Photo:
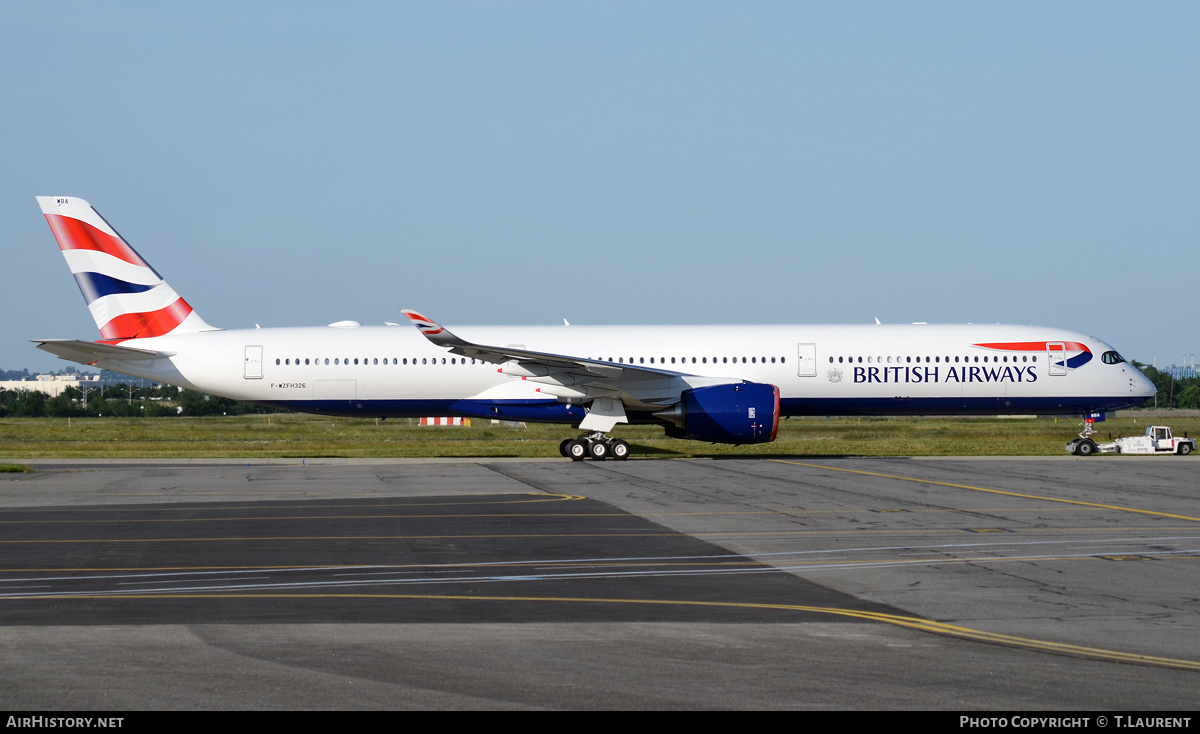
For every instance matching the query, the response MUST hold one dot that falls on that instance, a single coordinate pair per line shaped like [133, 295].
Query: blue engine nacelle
[747, 412]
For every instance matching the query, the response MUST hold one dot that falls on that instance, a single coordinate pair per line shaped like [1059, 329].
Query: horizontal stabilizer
[91, 352]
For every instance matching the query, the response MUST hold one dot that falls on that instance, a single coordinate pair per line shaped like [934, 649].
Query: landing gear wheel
[562, 447]
[1086, 447]
[619, 450]
[598, 450]
[576, 450]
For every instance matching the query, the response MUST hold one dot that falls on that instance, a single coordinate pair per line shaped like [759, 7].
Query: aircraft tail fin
[128, 299]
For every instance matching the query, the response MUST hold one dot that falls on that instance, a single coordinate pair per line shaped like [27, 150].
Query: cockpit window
[1111, 358]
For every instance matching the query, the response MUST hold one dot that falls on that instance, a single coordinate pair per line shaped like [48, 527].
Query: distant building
[52, 385]
[1180, 373]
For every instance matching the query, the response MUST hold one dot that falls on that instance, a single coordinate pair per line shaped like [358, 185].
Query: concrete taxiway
[792, 583]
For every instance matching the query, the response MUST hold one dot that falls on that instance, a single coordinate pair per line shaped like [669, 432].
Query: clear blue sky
[615, 162]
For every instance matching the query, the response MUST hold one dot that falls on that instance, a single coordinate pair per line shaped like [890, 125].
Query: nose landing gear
[596, 445]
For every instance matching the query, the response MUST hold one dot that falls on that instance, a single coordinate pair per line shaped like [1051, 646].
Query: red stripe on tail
[73, 234]
[148, 324]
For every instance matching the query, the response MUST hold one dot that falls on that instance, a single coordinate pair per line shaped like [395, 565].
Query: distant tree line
[122, 401]
[1172, 393]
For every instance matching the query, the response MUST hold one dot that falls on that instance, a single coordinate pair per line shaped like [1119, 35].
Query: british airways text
[954, 374]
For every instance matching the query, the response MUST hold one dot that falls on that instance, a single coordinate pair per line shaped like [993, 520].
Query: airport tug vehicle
[1157, 440]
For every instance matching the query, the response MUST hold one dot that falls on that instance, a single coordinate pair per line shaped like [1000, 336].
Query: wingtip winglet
[426, 326]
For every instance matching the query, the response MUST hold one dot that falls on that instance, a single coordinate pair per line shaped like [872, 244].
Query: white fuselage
[819, 370]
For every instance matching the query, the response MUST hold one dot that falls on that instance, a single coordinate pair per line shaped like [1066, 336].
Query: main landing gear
[595, 445]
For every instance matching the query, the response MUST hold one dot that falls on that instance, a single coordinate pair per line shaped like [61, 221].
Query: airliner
[721, 384]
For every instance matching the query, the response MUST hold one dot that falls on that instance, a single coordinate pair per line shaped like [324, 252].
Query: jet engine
[746, 412]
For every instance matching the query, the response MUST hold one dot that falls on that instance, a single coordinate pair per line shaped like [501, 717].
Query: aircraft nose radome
[1145, 388]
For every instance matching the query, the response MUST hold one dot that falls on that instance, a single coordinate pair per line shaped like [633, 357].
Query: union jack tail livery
[127, 298]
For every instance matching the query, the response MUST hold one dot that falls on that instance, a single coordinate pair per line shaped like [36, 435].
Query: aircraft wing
[573, 377]
[91, 352]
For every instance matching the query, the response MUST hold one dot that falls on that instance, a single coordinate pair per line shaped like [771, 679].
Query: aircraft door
[254, 356]
[806, 360]
[1056, 353]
